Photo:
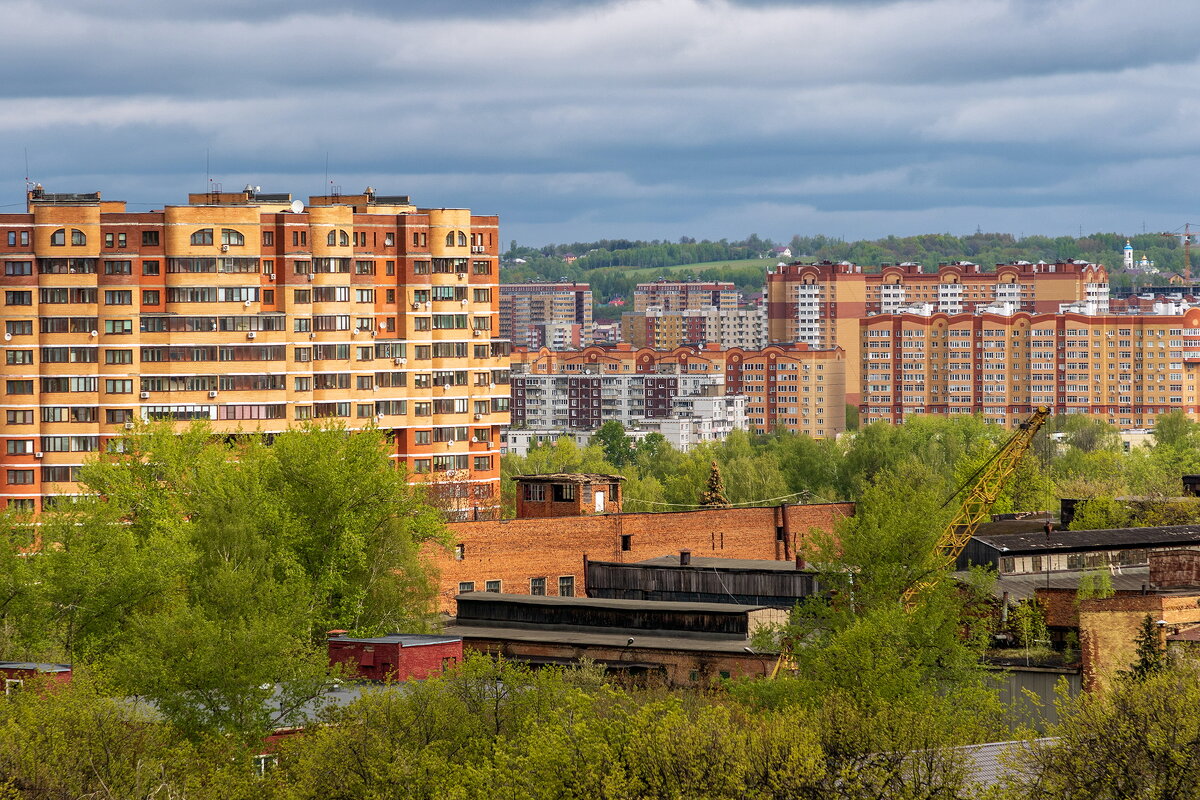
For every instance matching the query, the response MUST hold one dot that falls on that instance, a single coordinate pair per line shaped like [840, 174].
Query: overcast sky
[640, 118]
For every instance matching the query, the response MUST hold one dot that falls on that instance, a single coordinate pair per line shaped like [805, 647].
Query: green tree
[1174, 429]
[1027, 621]
[616, 444]
[1151, 658]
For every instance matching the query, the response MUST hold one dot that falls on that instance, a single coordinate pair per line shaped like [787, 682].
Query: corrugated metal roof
[569, 477]
[1012, 544]
[35, 666]
[1020, 587]
[403, 639]
[599, 602]
[990, 763]
[604, 637]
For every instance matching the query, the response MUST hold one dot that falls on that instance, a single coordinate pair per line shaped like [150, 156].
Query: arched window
[78, 237]
[230, 236]
[462, 239]
[450, 239]
[59, 237]
[331, 239]
[203, 236]
[343, 239]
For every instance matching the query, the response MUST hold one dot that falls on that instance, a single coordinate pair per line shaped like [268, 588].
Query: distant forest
[607, 264]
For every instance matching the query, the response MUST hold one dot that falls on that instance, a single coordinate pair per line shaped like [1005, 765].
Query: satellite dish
[297, 207]
[8, 337]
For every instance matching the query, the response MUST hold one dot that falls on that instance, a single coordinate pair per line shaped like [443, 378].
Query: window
[626, 542]
[564, 492]
[118, 326]
[22, 504]
[118, 356]
[483, 463]
[203, 236]
[118, 297]
[58, 238]
[118, 267]
[18, 267]
[18, 387]
[422, 437]
[566, 586]
[535, 492]
[18, 357]
[113, 386]
[20, 477]
[466, 586]
[493, 586]
[230, 237]
[149, 267]
[151, 297]
[537, 586]
[18, 298]
[460, 550]
[20, 447]
[150, 238]
[19, 416]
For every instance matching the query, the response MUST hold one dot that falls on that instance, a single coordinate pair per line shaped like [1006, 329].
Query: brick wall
[390, 661]
[1175, 569]
[513, 551]
[1108, 629]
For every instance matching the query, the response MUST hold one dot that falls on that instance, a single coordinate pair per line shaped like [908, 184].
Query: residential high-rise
[666, 330]
[555, 315]
[257, 314]
[794, 387]
[685, 295]
[821, 304]
[1124, 368]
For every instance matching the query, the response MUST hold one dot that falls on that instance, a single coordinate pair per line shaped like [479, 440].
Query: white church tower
[1128, 255]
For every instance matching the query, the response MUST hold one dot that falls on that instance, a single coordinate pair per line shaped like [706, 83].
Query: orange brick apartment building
[255, 313]
[821, 304]
[1124, 368]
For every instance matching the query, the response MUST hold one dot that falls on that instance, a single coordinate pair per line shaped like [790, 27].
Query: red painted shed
[396, 656]
[15, 673]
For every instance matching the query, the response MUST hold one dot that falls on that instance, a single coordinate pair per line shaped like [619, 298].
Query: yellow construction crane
[980, 492]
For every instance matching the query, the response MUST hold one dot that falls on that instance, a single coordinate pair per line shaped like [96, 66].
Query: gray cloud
[623, 118]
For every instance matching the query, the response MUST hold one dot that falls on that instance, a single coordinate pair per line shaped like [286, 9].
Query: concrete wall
[513, 551]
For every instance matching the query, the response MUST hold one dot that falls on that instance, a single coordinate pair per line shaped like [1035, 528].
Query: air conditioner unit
[311, 277]
[213, 393]
[144, 395]
[270, 276]
[128, 426]
[251, 335]
[416, 306]
[38, 454]
[224, 248]
[477, 332]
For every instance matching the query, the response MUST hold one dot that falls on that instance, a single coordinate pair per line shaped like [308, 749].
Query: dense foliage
[1075, 457]
[204, 573]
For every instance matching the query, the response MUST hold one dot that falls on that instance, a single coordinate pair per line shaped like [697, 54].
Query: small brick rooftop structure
[396, 656]
[567, 495]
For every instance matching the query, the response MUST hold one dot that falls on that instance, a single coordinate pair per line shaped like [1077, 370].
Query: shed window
[466, 586]
[537, 586]
[564, 492]
[535, 491]
[626, 542]
[566, 586]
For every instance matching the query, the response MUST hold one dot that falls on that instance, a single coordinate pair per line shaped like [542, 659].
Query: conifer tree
[1150, 656]
[713, 495]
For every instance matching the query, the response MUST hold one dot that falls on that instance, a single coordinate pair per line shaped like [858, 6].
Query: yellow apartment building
[256, 313]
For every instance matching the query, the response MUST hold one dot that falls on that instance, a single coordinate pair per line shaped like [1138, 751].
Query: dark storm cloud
[631, 117]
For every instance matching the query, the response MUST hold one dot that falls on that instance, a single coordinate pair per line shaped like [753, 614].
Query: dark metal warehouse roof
[1011, 544]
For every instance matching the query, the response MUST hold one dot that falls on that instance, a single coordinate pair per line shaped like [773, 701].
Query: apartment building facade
[685, 295]
[658, 329]
[1127, 369]
[795, 387]
[254, 313]
[554, 315]
[822, 304]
